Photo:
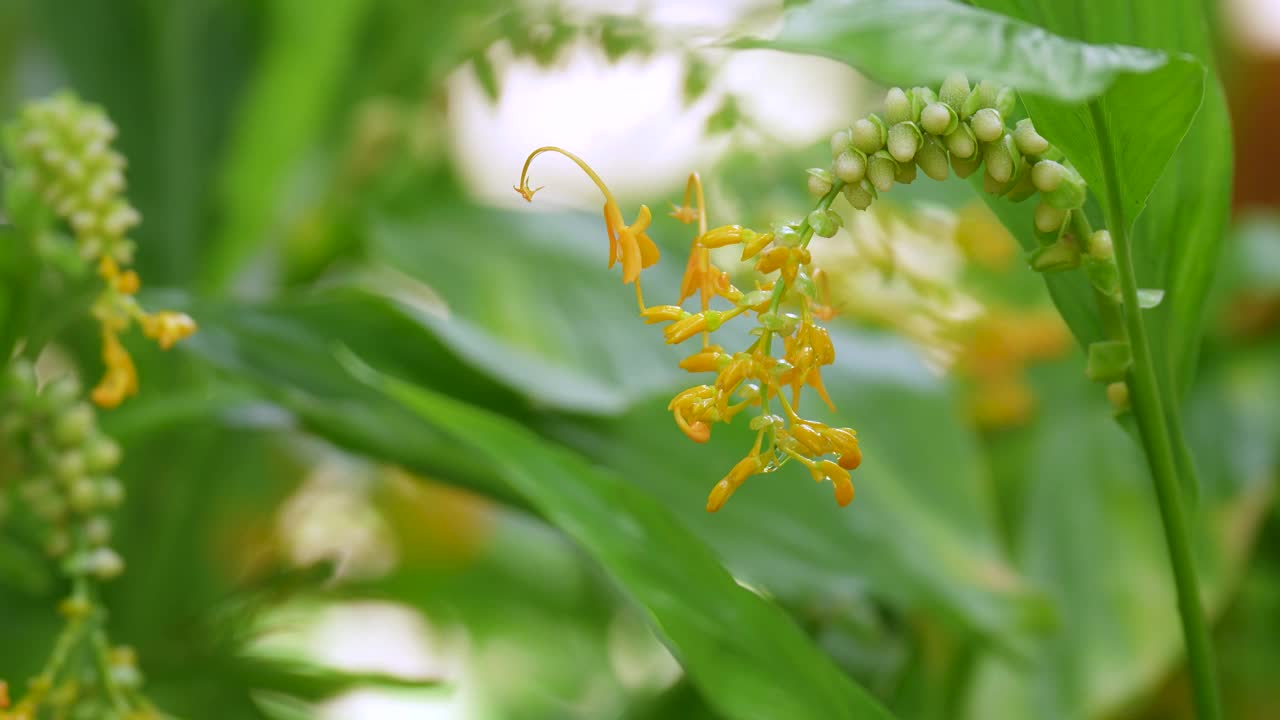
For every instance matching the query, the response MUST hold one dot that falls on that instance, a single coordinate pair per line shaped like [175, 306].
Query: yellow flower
[628, 242]
[745, 468]
[167, 328]
[121, 378]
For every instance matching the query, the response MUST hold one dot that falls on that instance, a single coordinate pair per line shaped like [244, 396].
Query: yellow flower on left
[629, 243]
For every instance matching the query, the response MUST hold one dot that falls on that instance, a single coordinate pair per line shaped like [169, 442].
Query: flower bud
[1069, 191]
[1100, 246]
[104, 564]
[961, 143]
[823, 224]
[881, 170]
[850, 166]
[1058, 257]
[63, 393]
[897, 107]
[860, 195]
[870, 134]
[932, 158]
[725, 235]
[987, 125]
[745, 468]
[965, 166]
[1118, 396]
[708, 360]
[1029, 141]
[904, 140]
[662, 313]
[773, 260]
[110, 492]
[83, 495]
[1049, 218]
[841, 140]
[69, 466]
[954, 91]
[1104, 274]
[73, 426]
[938, 119]
[1002, 159]
[814, 443]
[1048, 175]
[101, 454]
[1109, 361]
[819, 181]
[97, 530]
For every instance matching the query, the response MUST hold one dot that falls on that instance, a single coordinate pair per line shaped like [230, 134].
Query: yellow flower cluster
[65, 147]
[786, 306]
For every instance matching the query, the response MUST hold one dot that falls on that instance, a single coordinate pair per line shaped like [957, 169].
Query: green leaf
[772, 671]
[301, 70]
[1089, 534]
[917, 42]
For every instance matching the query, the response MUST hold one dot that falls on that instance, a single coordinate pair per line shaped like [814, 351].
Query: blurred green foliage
[302, 200]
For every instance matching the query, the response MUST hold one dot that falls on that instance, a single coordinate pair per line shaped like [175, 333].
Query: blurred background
[310, 174]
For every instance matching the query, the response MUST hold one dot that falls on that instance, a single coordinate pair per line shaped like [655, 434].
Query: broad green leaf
[921, 42]
[1089, 532]
[770, 671]
[920, 533]
[301, 70]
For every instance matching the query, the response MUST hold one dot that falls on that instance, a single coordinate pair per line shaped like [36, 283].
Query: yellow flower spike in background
[65, 146]
[785, 305]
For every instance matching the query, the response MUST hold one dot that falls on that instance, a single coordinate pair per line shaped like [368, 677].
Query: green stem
[1148, 407]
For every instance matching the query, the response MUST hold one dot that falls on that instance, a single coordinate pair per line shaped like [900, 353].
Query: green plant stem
[1148, 407]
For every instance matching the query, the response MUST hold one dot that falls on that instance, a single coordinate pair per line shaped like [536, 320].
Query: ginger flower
[785, 307]
[628, 242]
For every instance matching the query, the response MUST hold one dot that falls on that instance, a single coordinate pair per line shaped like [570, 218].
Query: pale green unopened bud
[1029, 141]
[954, 91]
[1001, 159]
[104, 564]
[1049, 218]
[965, 166]
[1058, 257]
[869, 134]
[904, 141]
[1048, 175]
[961, 142]
[938, 119]
[987, 125]
[1105, 276]
[897, 107]
[63, 393]
[1100, 247]
[1006, 102]
[1070, 192]
[819, 181]
[69, 466]
[101, 454]
[881, 170]
[1118, 396]
[860, 195]
[850, 166]
[823, 224]
[73, 426]
[841, 140]
[932, 158]
[83, 495]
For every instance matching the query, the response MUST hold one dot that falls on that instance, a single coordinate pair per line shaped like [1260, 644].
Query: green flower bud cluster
[64, 148]
[65, 464]
[966, 129]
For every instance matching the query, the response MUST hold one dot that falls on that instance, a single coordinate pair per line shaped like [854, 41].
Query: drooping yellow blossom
[65, 148]
[785, 306]
[628, 242]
